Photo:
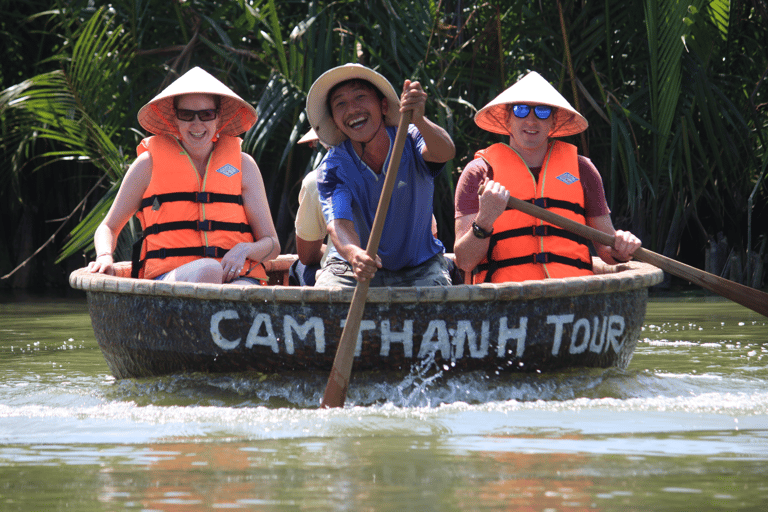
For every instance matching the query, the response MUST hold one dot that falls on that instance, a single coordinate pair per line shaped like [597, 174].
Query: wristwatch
[480, 232]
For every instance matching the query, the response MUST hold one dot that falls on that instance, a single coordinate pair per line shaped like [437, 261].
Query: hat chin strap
[363, 144]
[240, 112]
[171, 127]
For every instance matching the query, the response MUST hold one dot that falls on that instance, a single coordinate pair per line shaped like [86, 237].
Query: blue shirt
[350, 190]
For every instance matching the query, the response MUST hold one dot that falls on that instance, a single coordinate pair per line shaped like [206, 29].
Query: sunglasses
[541, 111]
[208, 114]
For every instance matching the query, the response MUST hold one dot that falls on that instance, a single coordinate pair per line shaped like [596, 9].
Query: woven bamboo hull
[149, 328]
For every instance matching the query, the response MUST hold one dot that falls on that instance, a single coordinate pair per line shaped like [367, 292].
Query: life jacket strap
[549, 203]
[202, 251]
[545, 230]
[194, 197]
[197, 225]
[536, 258]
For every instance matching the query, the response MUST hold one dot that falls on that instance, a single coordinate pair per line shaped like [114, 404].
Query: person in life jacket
[500, 245]
[200, 200]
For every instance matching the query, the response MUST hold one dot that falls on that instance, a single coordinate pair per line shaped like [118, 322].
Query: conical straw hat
[531, 89]
[308, 138]
[317, 100]
[235, 116]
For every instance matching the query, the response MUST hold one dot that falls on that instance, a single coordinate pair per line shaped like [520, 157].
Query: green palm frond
[77, 109]
[281, 103]
[666, 30]
[720, 11]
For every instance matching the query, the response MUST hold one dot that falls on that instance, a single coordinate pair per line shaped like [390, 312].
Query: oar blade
[338, 382]
[751, 298]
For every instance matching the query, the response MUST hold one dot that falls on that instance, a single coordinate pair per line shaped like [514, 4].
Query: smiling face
[196, 134]
[529, 133]
[357, 109]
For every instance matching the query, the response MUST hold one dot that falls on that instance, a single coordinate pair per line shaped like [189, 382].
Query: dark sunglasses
[208, 114]
[541, 111]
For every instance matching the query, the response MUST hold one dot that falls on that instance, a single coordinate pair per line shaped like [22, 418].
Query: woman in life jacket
[200, 200]
[502, 245]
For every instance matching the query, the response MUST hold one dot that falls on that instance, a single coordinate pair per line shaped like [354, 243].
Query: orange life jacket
[186, 217]
[521, 246]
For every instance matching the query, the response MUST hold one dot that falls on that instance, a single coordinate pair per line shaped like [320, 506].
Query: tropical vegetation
[675, 93]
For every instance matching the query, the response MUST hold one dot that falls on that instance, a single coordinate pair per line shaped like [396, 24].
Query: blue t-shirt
[350, 190]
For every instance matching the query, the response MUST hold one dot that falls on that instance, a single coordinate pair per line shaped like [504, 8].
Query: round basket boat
[149, 328]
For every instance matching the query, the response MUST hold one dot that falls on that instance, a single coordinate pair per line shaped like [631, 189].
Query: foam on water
[422, 403]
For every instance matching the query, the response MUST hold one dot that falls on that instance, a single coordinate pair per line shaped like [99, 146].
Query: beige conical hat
[308, 138]
[317, 105]
[532, 88]
[235, 117]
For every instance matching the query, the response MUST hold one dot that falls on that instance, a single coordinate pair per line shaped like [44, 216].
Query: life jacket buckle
[204, 197]
[204, 225]
[542, 257]
[211, 252]
[540, 230]
[541, 202]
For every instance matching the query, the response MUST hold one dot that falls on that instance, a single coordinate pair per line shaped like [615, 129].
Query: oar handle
[748, 297]
[338, 382]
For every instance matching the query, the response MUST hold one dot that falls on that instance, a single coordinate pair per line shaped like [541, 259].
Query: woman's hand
[104, 264]
[233, 262]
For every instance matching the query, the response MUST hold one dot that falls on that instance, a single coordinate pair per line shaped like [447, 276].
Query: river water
[684, 428]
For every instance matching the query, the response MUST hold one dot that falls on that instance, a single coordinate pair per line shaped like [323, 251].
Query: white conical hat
[317, 100]
[532, 88]
[235, 116]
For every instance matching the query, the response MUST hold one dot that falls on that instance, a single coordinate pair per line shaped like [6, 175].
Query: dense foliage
[674, 91]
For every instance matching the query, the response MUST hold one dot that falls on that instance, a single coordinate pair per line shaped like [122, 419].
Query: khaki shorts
[433, 272]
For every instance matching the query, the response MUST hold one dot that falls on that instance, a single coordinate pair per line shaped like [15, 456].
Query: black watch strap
[480, 232]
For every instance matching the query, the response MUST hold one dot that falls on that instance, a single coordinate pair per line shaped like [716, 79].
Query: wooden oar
[338, 381]
[744, 295]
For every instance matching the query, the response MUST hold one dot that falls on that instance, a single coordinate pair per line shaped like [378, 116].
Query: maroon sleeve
[467, 201]
[594, 193]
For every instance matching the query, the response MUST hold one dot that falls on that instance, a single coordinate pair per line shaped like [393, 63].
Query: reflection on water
[432, 472]
[685, 427]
